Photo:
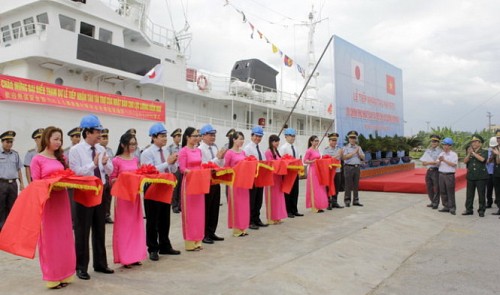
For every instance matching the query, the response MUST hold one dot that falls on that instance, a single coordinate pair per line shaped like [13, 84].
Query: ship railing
[13, 36]
[199, 120]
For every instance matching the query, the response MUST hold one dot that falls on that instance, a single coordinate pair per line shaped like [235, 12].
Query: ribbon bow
[147, 169]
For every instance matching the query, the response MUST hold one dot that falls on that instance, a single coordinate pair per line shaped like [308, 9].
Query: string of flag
[289, 62]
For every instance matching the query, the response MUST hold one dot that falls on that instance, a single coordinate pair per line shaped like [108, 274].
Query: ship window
[67, 23]
[6, 34]
[87, 29]
[29, 27]
[105, 35]
[17, 31]
[42, 19]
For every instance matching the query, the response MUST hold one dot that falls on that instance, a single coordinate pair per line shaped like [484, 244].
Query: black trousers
[157, 226]
[496, 184]
[352, 175]
[336, 181]
[176, 196]
[489, 191]
[212, 205]
[8, 195]
[87, 218]
[472, 185]
[447, 191]
[432, 184]
[292, 199]
[106, 198]
[256, 194]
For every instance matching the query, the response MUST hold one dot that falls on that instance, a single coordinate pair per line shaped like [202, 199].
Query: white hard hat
[493, 141]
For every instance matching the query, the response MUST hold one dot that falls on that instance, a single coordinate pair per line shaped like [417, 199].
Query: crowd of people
[66, 224]
[483, 174]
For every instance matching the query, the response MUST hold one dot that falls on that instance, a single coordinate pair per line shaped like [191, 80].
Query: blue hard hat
[290, 131]
[447, 141]
[91, 121]
[157, 128]
[206, 129]
[257, 130]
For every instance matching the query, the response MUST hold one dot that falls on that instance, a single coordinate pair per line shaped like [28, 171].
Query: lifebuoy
[202, 82]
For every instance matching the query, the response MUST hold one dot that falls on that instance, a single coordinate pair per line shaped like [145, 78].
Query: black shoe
[467, 213]
[347, 204]
[452, 212]
[291, 216]
[216, 238]
[336, 205]
[330, 207]
[154, 256]
[170, 251]
[488, 206]
[434, 207]
[444, 210]
[108, 220]
[357, 204]
[82, 275]
[430, 205]
[481, 214]
[321, 211]
[104, 270]
[208, 240]
[496, 213]
[298, 214]
[253, 226]
[176, 210]
[261, 224]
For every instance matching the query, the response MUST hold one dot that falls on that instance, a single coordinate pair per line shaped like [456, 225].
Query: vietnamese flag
[390, 84]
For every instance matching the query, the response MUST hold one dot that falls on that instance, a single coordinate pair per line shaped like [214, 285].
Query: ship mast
[312, 102]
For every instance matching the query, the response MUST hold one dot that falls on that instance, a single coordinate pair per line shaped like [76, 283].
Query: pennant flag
[288, 61]
[260, 34]
[357, 72]
[275, 49]
[267, 40]
[153, 76]
[390, 84]
[253, 29]
[281, 53]
[330, 109]
[301, 71]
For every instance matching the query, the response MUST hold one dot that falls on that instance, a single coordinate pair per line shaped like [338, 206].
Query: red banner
[36, 92]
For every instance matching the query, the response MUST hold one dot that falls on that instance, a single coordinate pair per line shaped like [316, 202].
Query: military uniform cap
[37, 133]
[230, 132]
[497, 133]
[333, 135]
[75, 131]
[132, 131]
[105, 132]
[435, 137]
[176, 132]
[352, 133]
[8, 135]
[477, 137]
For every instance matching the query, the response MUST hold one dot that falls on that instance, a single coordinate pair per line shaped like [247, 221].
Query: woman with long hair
[275, 198]
[193, 206]
[129, 236]
[238, 200]
[316, 197]
[56, 244]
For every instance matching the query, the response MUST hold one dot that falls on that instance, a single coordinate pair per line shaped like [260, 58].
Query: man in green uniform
[477, 175]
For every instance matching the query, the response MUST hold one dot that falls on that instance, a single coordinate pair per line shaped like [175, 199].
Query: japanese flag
[154, 75]
[357, 72]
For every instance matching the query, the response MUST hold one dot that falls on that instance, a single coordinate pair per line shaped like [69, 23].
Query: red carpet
[412, 181]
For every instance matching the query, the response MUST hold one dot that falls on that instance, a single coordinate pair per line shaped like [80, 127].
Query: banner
[368, 92]
[36, 92]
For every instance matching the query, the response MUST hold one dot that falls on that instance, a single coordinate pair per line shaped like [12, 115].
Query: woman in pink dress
[316, 197]
[238, 201]
[193, 206]
[56, 245]
[275, 198]
[129, 236]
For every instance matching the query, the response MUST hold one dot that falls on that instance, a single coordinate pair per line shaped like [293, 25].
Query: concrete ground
[392, 245]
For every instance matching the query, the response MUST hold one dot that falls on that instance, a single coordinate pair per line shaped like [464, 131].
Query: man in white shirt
[447, 163]
[89, 158]
[288, 148]
[158, 213]
[211, 153]
[256, 193]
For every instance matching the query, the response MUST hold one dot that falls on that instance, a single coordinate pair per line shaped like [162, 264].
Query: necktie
[293, 151]
[162, 156]
[258, 151]
[97, 172]
[211, 151]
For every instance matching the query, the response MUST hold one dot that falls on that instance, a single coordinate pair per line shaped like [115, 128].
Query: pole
[305, 86]
[326, 133]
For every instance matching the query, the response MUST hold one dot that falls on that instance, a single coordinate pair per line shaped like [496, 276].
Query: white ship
[106, 48]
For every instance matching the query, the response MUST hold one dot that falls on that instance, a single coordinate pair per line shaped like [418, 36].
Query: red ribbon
[326, 157]
[287, 157]
[251, 158]
[62, 173]
[209, 165]
[147, 169]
